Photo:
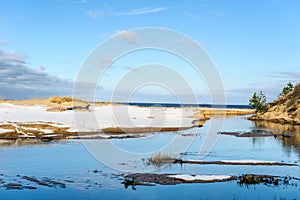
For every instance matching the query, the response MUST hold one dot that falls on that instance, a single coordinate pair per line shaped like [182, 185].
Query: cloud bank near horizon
[19, 81]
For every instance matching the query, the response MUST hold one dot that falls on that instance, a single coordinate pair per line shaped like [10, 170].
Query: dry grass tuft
[58, 104]
[160, 159]
[60, 100]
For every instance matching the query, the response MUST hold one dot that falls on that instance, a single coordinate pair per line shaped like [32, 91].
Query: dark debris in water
[18, 186]
[29, 183]
[268, 180]
[131, 181]
[248, 134]
[45, 182]
[257, 133]
[24, 182]
[13, 186]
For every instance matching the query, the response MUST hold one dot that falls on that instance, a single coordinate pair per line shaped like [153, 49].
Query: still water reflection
[85, 177]
[291, 134]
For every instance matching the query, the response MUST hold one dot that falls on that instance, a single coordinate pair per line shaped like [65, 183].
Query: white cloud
[219, 14]
[191, 15]
[139, 11]
[81, 1]
[291, 75]
[4, 42]
[105, 60]
[18, 81]
[1, 20]
[43, 68]
[12, 58]
[187, 42]
[242, 94]
[95, 14]
[142, 11]
[128, 36]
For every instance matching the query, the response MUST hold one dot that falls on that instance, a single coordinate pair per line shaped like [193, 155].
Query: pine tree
[288, 88]
[258, 101]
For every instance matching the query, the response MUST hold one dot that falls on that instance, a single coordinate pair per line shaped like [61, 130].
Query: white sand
[188, 177]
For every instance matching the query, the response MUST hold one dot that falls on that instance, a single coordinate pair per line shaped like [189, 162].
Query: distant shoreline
[225, 106]
[141, 104]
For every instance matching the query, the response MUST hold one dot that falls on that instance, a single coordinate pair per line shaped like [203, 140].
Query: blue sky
[255, 45]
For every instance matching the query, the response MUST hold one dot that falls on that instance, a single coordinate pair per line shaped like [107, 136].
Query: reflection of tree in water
[291, 138]
[258, 142]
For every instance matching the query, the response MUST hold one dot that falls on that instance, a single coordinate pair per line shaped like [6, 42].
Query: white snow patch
[45, 131]
[188, 177]
[4, 141]
[52, 135]
[3, 130]
[100, 117]
[30, 129]
[195, 160]
[247, 161]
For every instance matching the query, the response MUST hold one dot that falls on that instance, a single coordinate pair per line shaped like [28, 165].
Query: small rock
[30, 187]
[13, 186]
